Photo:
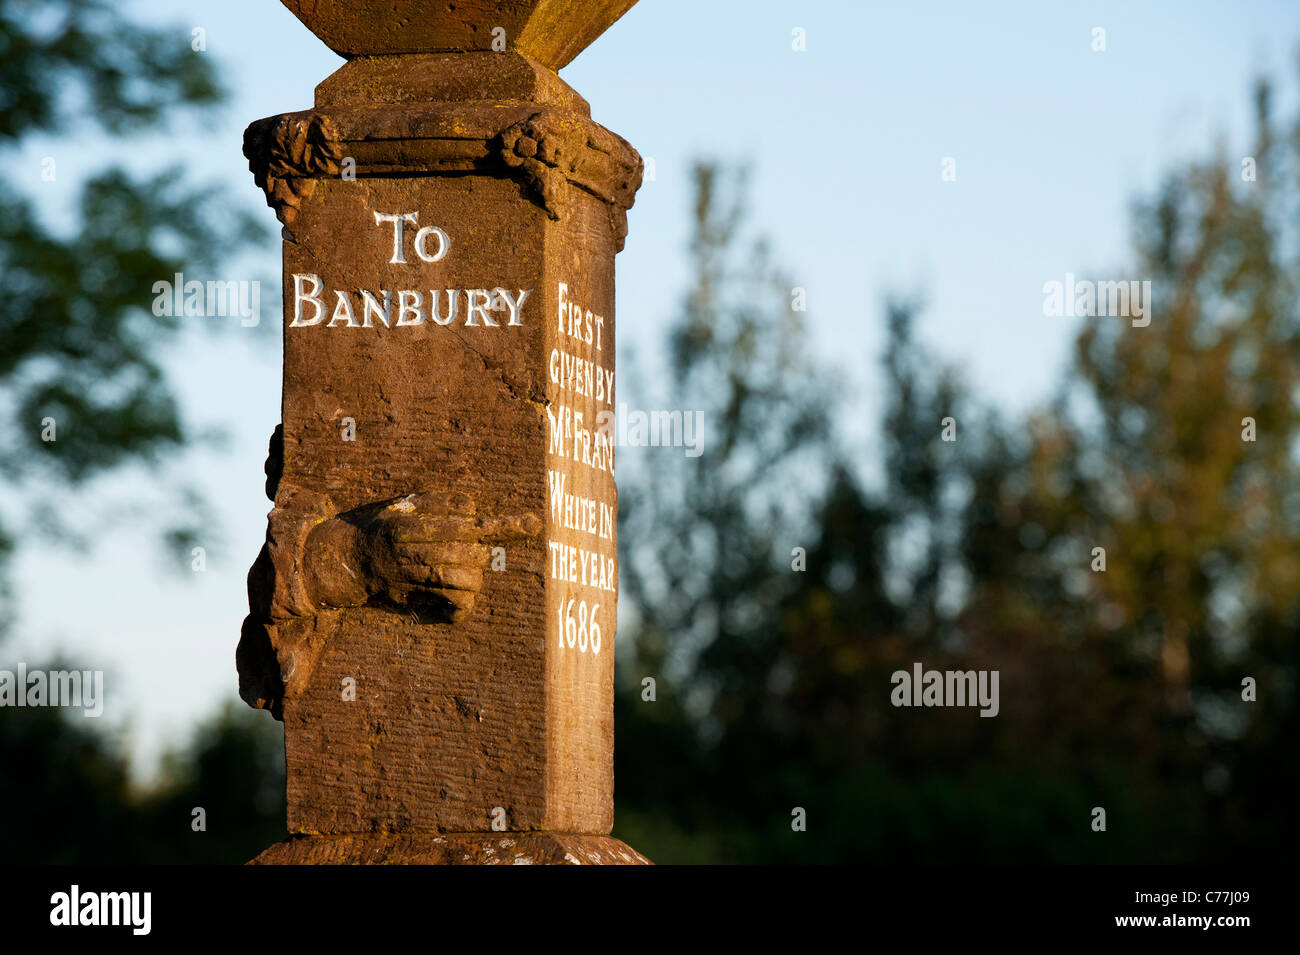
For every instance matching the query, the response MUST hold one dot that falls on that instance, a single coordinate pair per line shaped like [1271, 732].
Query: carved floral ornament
[545, 151]
[287, 154]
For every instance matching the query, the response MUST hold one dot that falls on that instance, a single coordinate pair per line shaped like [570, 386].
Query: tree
[80, 367]
[1124, 558]
[85, 393]
[1184, 457]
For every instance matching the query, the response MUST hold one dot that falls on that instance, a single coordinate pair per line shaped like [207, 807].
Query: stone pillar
[433, 614]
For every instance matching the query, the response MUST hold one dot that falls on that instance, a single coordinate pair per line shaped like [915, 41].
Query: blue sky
[1052, 141]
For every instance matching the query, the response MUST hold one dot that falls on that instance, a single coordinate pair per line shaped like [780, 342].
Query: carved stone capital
[422, 115]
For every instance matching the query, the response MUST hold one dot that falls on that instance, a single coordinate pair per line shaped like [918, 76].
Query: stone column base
[451, 848]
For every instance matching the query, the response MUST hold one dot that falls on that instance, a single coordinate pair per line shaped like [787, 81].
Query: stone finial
[552, 32]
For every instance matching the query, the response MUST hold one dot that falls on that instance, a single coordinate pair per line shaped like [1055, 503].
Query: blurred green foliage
[68, 798]
[1119, 689]
[81, 345]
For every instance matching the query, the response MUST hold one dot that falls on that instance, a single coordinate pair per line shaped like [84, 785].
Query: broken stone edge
[451, 848]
